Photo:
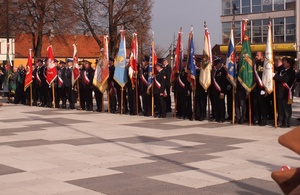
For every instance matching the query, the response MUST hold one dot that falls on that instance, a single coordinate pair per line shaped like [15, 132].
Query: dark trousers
[229, 103]
[98, 97]
[168, 99]
[132, 100]
[284, 111]
[200, 106]
[88, 97]
[219, 107]
[146, 99]
[59, 96]
[259, 106]
[240, 105]
[69, 97]
[161, 105]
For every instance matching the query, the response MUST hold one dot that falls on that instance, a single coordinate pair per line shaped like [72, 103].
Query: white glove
[262, 92]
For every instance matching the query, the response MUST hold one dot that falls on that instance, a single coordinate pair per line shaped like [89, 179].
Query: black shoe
[255, 122]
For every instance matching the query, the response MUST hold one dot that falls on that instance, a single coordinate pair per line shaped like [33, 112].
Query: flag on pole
[120, 74]
[178, 57]
[245, 74]
[133, 60]
[51, 69]
[75, 72]
[102, 70]
[28, 76]
[205, 69]
[230, 61]
[152, 63]
[191, 66]
[244, 28]
[267, 77]
[8, 62]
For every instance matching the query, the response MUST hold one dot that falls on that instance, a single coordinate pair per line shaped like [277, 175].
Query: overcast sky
[170, 15]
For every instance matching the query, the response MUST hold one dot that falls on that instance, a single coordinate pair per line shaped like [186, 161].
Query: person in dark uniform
[40, 74]
[59, 84]
[97, 92]
[67, 83]
[167, 68]
[20, 93]
[200, 96]
[184, 100]
[87, 79]
[258, 94]
[160, 90]
[285, 83]
[143, 76]
[111, 86]
[218, 88]
[35, 85]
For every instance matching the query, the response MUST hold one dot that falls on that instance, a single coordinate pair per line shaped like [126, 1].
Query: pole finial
[205, 25]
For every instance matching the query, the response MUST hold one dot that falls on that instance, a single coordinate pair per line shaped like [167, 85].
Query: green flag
[245, 70]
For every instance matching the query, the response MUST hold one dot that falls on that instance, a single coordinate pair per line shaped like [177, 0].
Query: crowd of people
[216, 103]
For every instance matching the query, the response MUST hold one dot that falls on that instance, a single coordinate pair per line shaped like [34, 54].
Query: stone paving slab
[71, 152]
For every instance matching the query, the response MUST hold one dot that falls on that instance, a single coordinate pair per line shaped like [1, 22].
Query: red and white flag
[75, 72]
[51, 68]
[28, 76]
[132, 71]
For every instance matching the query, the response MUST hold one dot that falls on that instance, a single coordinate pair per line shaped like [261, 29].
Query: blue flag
[230, 61]
[120, 75]
[150, 69]
[191, 66]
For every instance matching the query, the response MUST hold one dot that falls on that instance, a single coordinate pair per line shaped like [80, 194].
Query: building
[285, 18]
[3, 48]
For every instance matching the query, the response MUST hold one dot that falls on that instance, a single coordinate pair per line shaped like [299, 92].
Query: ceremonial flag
[205, 69]
[133, 60]
[28, 76]
[244, 28]
[191, 66]
[8, 62]
[267, 77]
[152, 63]
[120, 74]
[75, 72]
[245, 74]
[51, 68]
[230, 61]
[178, 57]
[102, 70]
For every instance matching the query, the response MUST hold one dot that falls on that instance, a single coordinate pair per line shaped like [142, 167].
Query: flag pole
[275, 107]
[30, 94]
[102, 102]
[108, 100]
[234, 87]
[121, 111]
[152, 74]
[250, 110]
[53, 94]
[136, 96]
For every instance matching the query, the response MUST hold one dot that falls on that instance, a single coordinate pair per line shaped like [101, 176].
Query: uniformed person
[167, 68]
[97, 92]
[200, 96]
[184, 90]
[285, 80]
[258, 94]
[59, 84]
[67, 83]
[143, 76]
[111, 86]
[87, 75]
[160, 90]
[218, 88]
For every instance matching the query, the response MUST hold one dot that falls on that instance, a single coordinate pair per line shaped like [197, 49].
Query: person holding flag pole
[191, 70]
[205, 69]
[120, 75]
[231, 70]
[28, 77]
[51, 73]
[75, 72]
[268, 70]
[245, 74]
[177, 68]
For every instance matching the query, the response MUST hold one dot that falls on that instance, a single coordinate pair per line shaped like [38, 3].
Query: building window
[227, 6]
[278, 30]
[246, 6]
[226, 27]
[278, 5]
[256, 6]
[290, 26]
[267, 5]
[290, 4]
[256, 31]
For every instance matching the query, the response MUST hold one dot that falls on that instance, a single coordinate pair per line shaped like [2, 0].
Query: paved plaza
[71, 152]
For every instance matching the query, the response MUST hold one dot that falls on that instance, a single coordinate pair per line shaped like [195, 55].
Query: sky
[170, 15]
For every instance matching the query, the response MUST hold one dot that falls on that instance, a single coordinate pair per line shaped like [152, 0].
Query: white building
[3, 49]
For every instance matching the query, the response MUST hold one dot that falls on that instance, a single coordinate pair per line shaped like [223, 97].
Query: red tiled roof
[87, 47]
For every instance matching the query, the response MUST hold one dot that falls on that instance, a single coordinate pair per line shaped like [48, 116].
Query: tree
[109, 16]
[38, 17]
